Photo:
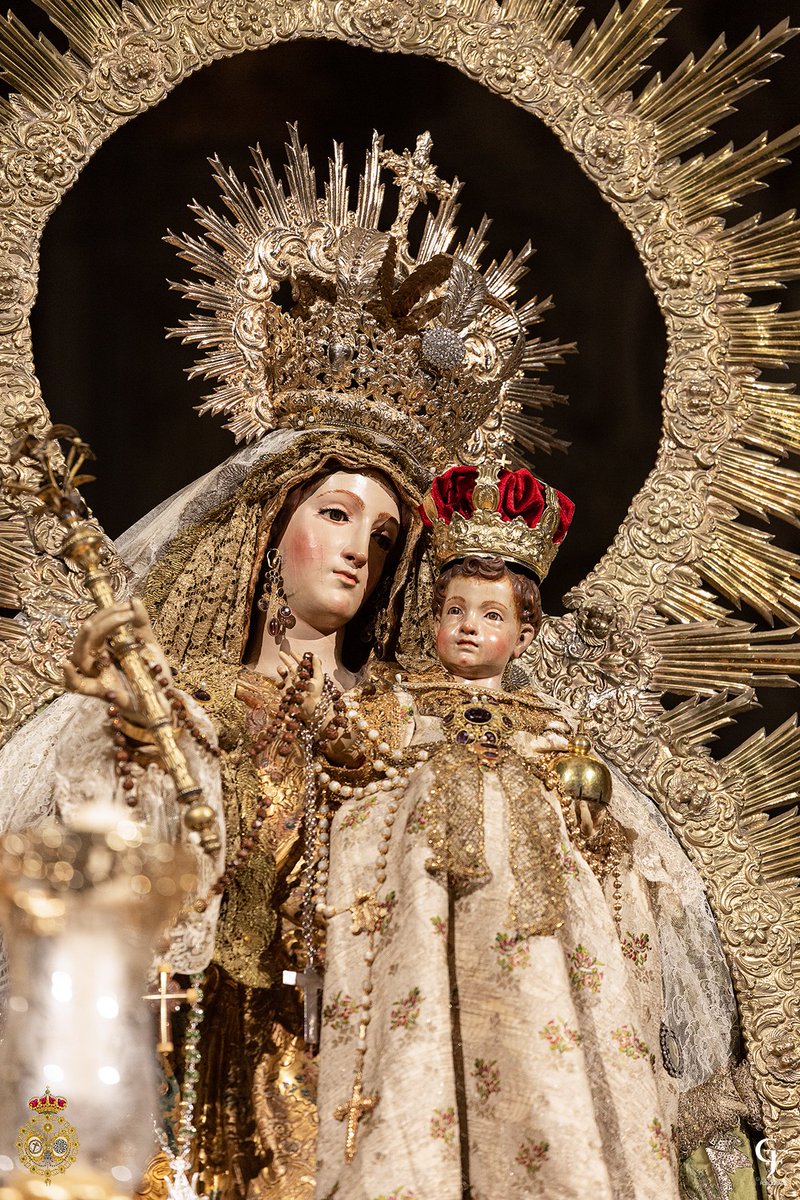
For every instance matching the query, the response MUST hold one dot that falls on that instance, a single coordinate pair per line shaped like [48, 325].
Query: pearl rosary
[365, 908]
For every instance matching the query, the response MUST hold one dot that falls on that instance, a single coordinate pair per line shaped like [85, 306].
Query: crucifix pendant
[352, 1112]
[167, 1000]
[310, 981]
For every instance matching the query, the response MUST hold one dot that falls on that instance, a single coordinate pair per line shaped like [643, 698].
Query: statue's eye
[334, 513]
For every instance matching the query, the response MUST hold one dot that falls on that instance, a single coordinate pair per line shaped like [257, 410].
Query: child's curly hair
[526, 592]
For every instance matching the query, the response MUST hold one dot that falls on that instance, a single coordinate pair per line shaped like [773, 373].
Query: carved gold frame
[648, 618]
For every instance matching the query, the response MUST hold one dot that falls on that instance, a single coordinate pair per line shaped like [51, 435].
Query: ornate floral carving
[691, 793]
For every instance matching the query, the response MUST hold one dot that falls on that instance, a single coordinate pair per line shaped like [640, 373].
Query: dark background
[103, 306]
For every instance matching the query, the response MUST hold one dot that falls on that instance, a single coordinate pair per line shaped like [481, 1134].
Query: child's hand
[589, 815]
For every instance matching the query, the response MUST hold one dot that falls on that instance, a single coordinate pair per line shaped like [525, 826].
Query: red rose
[521, 495]
[452, 493]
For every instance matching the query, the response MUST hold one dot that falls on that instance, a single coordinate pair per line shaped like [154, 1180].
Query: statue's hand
[90, 669]
[590, 816]
[312, 693]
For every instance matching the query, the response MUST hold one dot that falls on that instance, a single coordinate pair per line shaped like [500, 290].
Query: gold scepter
[59, 477]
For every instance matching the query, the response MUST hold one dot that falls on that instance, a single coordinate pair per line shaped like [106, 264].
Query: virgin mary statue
[383, 367]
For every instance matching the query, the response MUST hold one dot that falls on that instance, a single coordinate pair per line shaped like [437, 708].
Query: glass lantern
[81, 914]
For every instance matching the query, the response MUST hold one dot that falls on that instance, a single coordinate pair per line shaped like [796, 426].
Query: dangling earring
[273, 599]
[376, 627]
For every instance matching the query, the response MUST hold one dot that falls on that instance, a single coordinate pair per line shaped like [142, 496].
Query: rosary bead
[392, 806]
[324, 778]
[379, 764]
[369, 956]
[384, 748]
[380, 875]
[362, 725]
[423, 755]
[346, 791]
[389, 819]
[387, 785]
[131, 801]
[380, 861]
[334, 786]
[391, 772]
[397, 755]
[128, 784]
[358, 792]
[373, 735]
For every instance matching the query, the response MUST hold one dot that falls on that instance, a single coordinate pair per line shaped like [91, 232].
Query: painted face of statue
[479, 629]
[335, 547]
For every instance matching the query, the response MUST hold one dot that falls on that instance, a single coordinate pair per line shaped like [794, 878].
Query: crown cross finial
[416, 179]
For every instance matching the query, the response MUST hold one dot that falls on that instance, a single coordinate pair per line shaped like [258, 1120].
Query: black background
[103, 305]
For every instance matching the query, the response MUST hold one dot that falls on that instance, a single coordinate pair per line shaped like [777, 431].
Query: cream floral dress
[507, 1063]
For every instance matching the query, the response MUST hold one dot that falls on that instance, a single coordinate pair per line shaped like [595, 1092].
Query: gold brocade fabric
[537, 899]
[250, 1018]
[478, 733]
[286, 1119]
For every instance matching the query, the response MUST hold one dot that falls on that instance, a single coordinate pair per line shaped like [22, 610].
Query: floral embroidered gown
[527, 1062]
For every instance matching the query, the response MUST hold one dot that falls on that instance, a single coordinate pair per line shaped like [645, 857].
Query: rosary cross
[310, 981]
[166, 1001]
[416, 178]
[352, 1112]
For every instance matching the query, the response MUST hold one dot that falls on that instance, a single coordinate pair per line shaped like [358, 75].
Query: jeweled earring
[272, 600]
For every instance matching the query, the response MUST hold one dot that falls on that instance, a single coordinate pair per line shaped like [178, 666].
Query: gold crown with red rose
[418, 347]
[487, 533]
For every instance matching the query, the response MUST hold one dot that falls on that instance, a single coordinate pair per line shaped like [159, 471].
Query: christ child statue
[493, 987]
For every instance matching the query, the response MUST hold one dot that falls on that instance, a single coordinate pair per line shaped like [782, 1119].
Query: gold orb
[581, 776]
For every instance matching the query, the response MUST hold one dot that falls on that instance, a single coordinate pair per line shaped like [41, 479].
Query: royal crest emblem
[47, 1145]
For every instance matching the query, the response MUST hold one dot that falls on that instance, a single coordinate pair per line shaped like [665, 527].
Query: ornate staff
[57, 477]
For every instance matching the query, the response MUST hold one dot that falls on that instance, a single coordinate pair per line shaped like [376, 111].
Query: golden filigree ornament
[47, 1144]
[420, 346]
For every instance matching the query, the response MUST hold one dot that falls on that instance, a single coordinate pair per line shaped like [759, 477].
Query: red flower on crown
[521, 495]
[514, 529]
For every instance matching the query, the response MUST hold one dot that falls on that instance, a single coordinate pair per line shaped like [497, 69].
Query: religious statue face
[478, 629]
[335, 547]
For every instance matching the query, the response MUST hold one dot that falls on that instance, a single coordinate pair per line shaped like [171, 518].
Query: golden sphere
[583, 777]
[199, 816]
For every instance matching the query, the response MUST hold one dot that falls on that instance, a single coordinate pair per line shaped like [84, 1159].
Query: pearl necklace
[365, 908]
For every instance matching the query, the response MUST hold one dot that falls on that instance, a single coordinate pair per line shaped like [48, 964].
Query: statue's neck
[302, 639]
